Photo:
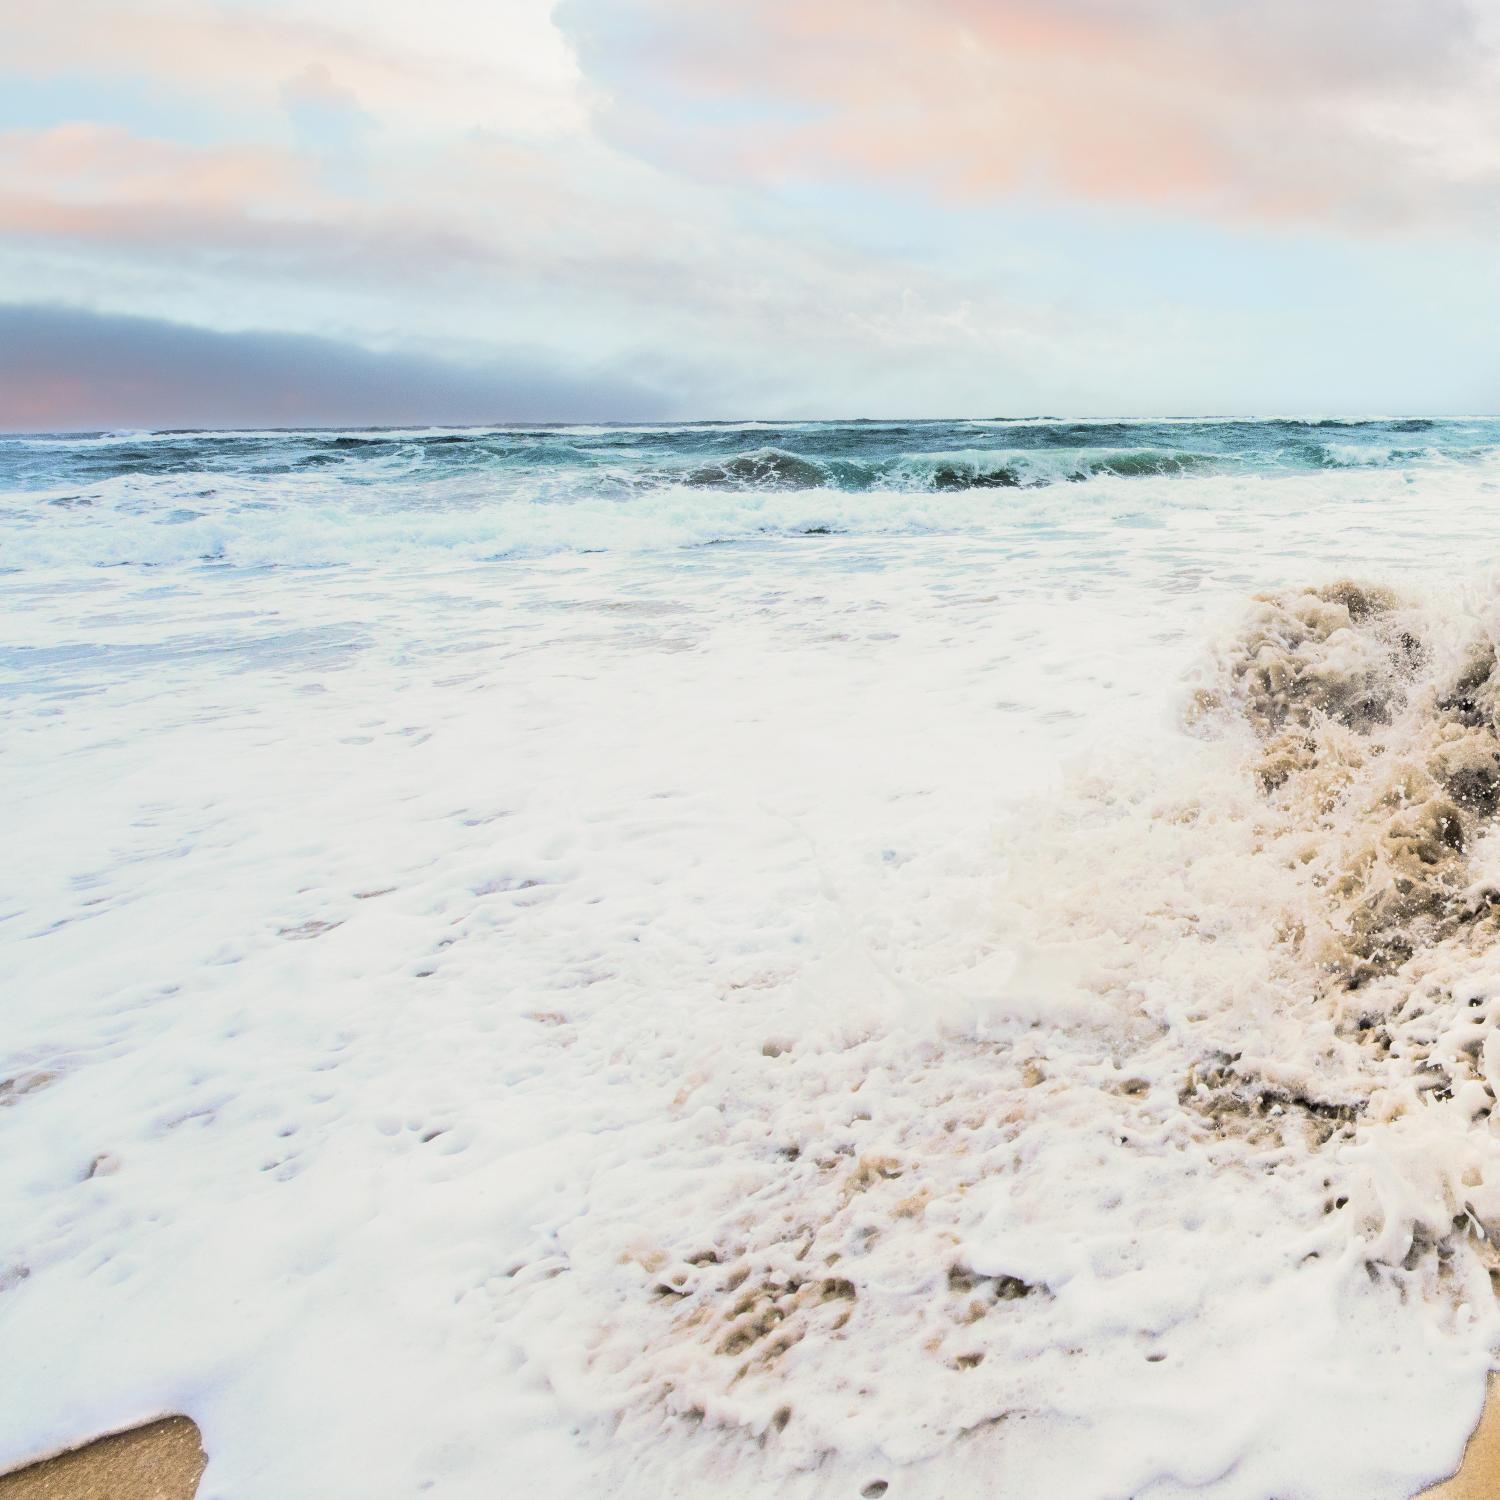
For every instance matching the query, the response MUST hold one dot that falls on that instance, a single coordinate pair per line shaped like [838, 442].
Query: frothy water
[913, 959]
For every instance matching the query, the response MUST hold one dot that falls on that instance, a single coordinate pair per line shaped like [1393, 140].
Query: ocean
[808, 959]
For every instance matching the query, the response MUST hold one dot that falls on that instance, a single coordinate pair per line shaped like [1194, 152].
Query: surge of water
[755, 958]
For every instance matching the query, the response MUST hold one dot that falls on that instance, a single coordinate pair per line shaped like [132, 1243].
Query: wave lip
[762, 469]
[968, 469]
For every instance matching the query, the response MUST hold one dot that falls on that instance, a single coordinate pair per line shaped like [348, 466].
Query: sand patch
[161, 1461]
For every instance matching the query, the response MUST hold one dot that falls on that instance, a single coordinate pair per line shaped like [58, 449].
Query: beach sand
[161, 1461]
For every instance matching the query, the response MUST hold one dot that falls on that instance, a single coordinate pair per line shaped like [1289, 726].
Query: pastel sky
[273, 211]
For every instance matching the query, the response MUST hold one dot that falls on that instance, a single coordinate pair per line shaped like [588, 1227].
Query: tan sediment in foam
[1273, 953]
[1388, 753]
[1382, 757]
[163, 1460]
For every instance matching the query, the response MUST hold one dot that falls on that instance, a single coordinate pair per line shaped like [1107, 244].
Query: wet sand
[161, 1461]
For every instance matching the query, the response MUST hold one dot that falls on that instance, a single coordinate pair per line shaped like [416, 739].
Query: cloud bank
[66, 370]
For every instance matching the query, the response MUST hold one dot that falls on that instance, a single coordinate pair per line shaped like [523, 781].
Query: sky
[271, 212]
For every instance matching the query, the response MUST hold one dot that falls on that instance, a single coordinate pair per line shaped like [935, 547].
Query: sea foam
[521, 964]
[1235, 1067]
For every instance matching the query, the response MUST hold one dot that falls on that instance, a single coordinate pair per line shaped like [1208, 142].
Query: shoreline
[1478, 1474]
[165, 1460]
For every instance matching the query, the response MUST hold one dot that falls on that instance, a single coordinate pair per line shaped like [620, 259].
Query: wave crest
[762, 468]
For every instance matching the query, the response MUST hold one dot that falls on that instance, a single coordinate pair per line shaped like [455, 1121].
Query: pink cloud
[102, 187]
[109, 163]
[1334, 113]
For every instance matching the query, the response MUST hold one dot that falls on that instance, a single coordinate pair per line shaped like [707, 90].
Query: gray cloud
[64, 368]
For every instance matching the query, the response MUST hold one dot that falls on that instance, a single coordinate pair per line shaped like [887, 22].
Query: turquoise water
[310, 497]
[839, 455]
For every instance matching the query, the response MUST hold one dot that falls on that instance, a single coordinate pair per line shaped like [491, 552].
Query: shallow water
[632, 959]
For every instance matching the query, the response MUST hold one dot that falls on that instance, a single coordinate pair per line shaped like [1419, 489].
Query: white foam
[402, 515]
[418, 964]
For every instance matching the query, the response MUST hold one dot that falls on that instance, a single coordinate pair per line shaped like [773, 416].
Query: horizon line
[559, 424]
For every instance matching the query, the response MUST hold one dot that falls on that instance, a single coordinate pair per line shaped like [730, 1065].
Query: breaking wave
[347, 498]
[934, 457]
[775, 469]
